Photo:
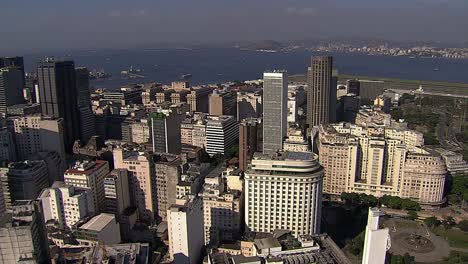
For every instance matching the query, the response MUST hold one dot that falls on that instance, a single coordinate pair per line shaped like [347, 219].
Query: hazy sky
[32, 25]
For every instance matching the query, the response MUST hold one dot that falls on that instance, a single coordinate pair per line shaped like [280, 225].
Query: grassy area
[456, 238]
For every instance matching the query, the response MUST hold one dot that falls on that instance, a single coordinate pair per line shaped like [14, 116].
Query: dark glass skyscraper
[87, 121]
[12, 62]
[319, 79]
[11, 87]
[58, 96]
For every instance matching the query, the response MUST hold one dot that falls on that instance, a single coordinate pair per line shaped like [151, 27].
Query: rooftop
[98, 222]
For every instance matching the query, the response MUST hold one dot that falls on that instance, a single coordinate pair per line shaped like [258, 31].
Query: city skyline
[282, 169]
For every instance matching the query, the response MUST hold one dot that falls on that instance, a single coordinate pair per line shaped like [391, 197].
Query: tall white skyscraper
[275, 110]
[377, 240]
[284, 191]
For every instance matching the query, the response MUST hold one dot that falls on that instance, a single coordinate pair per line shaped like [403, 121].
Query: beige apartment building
[142, 181]
[380, 161]
[222, 211]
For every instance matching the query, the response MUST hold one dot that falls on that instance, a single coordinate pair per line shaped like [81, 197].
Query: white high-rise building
[90, 174]
[66, 204]
[221, 133]
[186, 232]
[284, 191]
[377, 240]
[275, 110]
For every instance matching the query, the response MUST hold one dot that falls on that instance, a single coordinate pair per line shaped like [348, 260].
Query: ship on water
[186, 76]
[132, 73]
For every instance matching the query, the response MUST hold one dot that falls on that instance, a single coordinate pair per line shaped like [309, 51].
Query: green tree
[463, 225]
[432, 221]
[412, 215]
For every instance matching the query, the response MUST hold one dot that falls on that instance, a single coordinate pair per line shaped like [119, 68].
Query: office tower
[66, 204]
[275, 110]
[222, 103]
[198, 99]
[22, 235]
[296, 98]
[17, 62]
[284, 191]
[222, 211]
[249, 105]
[90, 174]
[319, 79]
[142, 180]
[185, 230]
[354, 86]
[116, 191]
[101, 228]
[23, 180]
[248, 131]
[333, 103]
[58, 96]
[221, 134]
[11, 88]
[87, 123]
[358, 158]
[82, 86]
[377, 240]
[168, 170]
[7, 146]
[165, 131]
[34, 133]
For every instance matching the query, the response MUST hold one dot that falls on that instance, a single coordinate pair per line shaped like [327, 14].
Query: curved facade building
[284, 191]
[424, 179]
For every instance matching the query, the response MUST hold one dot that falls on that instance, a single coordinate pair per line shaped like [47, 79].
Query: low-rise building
[101, 228]
[66, 205]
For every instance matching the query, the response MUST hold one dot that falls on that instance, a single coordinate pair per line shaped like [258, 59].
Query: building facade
[34, 133]
[58, 96]
[380, 161]
[319, 79]
[23, 180]
[221, 133]
[249, 105]
[11, 87]
[165, 132]
[90, 174]
[185, 230]
[284, 191]
[66, 204]
[275, 110]
[142, 180]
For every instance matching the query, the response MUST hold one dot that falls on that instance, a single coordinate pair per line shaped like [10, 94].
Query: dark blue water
[218, 65]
